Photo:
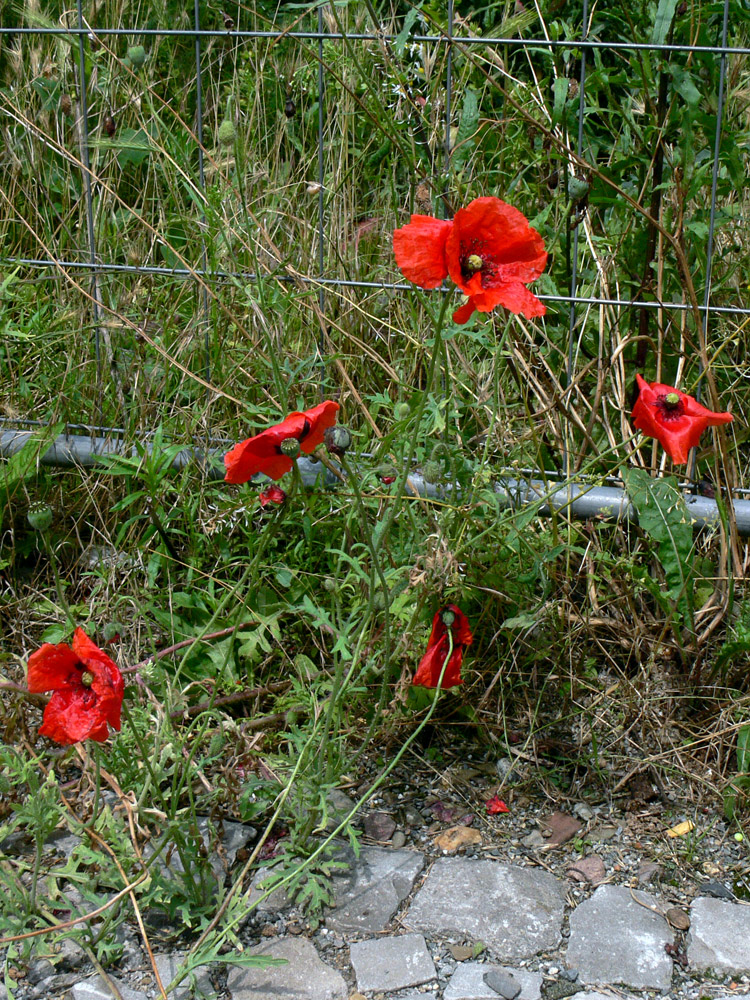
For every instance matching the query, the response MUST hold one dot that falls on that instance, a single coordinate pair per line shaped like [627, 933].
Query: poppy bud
[337, 440]
[227, 133]
[110, 125]
[290, 447]
[137, 55]
[274, 494]
[66, 105]
[111, 632]
[290, 108]
[330, 585]
[431, 471]
[39, 515]
[578, 188]
[402, 411]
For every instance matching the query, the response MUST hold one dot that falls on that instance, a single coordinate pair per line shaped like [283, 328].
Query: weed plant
[247, 272]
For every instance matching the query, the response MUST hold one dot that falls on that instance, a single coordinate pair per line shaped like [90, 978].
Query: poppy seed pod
[337, 440]
[290, 447]
[227, 133]
[137, 55]
[578, 188]
[39, 515]
[431, 471]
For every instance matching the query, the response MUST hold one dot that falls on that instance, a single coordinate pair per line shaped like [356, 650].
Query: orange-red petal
[261, 453]
[420, 250]
[677, 433]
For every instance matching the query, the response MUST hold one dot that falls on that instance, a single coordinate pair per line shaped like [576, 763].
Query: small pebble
[398, 839]
[503, 983]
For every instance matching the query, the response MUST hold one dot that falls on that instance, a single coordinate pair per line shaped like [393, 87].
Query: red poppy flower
[489, 250]
[264, 452]
[430, 666]
[274, 494]
[674, 419]
[496, 805]
[87, 688]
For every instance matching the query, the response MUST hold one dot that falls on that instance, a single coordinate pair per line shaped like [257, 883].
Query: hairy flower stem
[58, 581]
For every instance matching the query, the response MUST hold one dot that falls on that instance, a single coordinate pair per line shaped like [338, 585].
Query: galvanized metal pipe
[574, 499]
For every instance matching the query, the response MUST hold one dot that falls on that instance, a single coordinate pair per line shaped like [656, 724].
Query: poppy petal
[431, 666]
[515, 297]
[677, 429]
[319, 418]
[261, 452]
[69, 718]
[50, 667]
[464, 313]
[420, 250]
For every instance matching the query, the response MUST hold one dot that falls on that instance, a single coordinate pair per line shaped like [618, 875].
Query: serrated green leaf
[664, 517]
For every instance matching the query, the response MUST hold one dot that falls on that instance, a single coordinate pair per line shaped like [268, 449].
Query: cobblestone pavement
[410, 926]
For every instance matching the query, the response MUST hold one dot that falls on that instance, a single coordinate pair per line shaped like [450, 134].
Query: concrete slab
[467, 982]
[613, 939]
[515, 911]
[719, 936]
[392, 963]
[368, 895]
[304, 977]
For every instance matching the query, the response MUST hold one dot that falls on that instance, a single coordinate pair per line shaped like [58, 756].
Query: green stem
[416, 422]
[58, 582]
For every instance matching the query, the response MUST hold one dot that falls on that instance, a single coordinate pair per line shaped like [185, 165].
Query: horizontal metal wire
[540, 43]
[181, 272]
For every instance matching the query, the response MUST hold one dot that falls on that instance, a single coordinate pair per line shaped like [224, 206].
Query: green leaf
[664, 517]
[402, 37]
[467, 127]
[683, 84]
[663, 22]
[743, 749]
[560, 96]
[133, 146]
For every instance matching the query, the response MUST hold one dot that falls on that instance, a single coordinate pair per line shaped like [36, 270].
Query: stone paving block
[615, 940]
[719, 936]
[391, 963]
[368, 895]
[516, 911]
[304, 977]
[96, 989]
[467, 983]
[168, 966]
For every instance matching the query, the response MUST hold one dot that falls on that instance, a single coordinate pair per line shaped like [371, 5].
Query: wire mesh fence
[163, 254]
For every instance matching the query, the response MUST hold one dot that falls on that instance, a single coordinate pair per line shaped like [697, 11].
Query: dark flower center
[475, 259]
[670, 406]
